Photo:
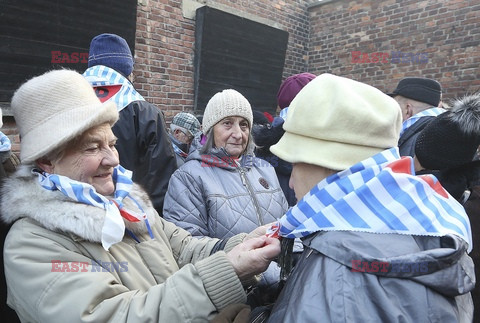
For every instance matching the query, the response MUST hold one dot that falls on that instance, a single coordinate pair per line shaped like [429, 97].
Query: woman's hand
[253, 256]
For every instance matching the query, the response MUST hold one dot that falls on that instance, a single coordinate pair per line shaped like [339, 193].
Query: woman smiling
[75, 209]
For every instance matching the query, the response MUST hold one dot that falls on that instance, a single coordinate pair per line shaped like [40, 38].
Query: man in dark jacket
[419, 99]
[380, 243]
[143, 142]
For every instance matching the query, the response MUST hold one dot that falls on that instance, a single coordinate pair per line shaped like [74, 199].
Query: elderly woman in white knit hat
[381, 244]
[223, 189]
[86, 243]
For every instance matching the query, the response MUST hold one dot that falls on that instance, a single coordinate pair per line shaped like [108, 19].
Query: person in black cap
[143, 142]
[419, 99]
[447, 148]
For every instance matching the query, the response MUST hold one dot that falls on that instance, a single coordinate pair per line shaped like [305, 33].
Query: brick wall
[164, 50]
[437, 39]
[444, 36]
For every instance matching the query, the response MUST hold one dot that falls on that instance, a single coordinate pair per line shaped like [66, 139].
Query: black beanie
[452, 138]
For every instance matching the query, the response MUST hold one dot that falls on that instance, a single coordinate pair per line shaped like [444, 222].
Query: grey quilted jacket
[211, 195]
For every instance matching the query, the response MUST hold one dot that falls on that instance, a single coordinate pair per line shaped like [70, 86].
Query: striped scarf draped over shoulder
[379, 195]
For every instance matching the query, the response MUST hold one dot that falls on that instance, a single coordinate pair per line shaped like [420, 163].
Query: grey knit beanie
[227, 103]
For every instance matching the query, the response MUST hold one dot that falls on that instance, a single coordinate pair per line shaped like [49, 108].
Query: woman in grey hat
[86, 243]
[229, 189]
[223, 189]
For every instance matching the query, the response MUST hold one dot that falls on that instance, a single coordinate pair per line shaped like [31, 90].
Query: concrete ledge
[189, 8]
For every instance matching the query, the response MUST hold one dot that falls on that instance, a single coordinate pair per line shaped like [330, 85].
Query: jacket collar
[22, 196]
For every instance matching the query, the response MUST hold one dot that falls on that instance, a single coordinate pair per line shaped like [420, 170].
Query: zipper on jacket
[249, 187]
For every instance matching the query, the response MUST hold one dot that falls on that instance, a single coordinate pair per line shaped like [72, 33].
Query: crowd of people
[350, 205]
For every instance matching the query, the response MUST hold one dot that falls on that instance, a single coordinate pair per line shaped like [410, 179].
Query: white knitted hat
[227, 103]
[55, 107]
[336, 122]
[1, 118]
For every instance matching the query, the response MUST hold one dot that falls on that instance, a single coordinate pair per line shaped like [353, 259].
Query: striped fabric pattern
[178, 151]
[100, 75]
[283, 113]
[5, 143]
[432, 112]
[114, 227]
[379, 195]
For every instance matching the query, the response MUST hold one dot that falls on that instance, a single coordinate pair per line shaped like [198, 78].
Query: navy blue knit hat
[112, 51]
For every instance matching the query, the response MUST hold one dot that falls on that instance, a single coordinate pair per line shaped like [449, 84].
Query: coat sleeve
[40, 292]
[185, 204]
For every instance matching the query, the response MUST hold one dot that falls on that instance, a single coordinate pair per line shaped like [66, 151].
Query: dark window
[39, 35]
[235, 52]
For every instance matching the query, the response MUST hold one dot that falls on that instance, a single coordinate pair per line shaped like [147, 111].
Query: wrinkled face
[232, 134]
[91, 160]
[183, 136]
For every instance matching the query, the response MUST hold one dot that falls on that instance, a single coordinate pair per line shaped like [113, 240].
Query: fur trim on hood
[22, 196]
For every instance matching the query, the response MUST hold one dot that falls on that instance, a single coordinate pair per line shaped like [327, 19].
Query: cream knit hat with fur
[335, 122]
[55, 107]
[227, 103]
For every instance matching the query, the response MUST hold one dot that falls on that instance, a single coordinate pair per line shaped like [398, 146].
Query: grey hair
[466, 112]
[210, 144]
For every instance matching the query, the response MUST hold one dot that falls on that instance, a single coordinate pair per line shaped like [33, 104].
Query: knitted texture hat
[53, 108]
[187, 121]
[419, 89]
[112, 51]
[335, 122]
[452, 138]
[291, 86]
[227, 103]
[1, 118]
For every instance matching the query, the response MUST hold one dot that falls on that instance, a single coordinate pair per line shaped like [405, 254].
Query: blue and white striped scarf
[5, 144]
[100, 75]
[178, 151]
[113, 228]
[380, 195]
[433, 112]
[283, 113]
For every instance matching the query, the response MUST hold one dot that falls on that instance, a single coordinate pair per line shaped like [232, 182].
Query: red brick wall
[165, 41]
[447, 32]
[164, 48]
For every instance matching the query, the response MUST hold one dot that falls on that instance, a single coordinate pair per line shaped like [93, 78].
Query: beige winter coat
[57, 270]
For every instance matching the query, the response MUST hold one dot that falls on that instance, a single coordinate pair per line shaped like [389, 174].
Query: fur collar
[22, 196]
